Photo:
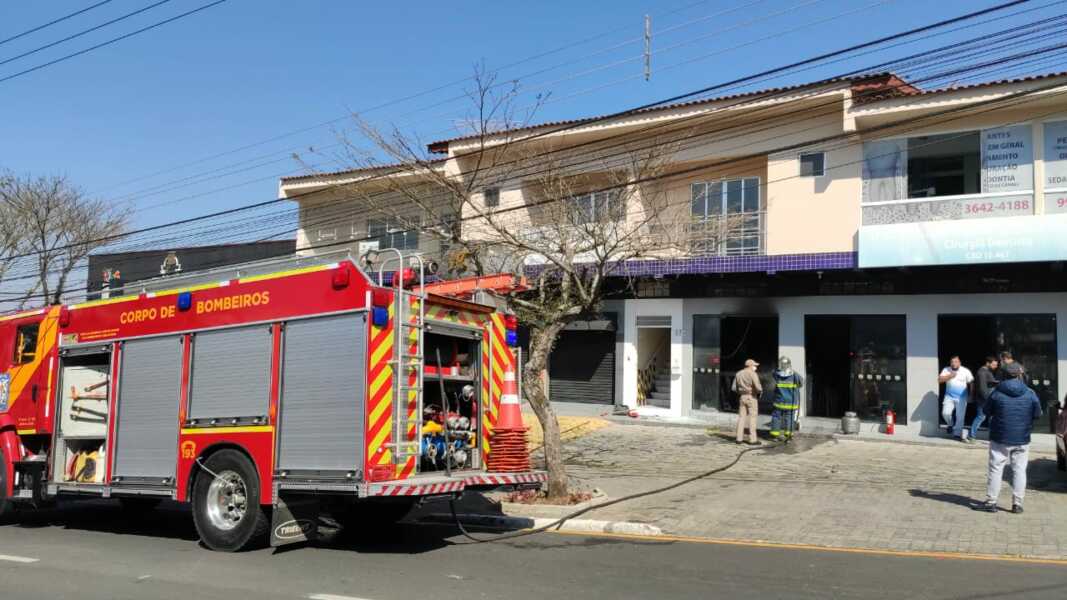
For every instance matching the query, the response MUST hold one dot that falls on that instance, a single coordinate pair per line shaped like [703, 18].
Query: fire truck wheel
[226, 507]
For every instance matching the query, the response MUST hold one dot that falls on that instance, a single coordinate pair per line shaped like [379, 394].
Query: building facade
[110, 271]
[875, 230]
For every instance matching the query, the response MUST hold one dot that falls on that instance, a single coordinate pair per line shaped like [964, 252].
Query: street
[96, 551]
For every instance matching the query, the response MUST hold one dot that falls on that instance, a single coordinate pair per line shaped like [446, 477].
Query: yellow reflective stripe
[787, 406]
[252, 429]
[787, 385]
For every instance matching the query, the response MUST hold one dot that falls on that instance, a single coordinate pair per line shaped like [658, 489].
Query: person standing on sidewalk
[787, 384]
[748, 388]
[957, 379]
[1013, 407]
[985, 381]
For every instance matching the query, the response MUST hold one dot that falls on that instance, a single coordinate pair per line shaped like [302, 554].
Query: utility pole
[648, 47]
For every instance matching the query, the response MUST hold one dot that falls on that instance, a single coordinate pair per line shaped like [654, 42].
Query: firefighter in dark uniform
[787, 384]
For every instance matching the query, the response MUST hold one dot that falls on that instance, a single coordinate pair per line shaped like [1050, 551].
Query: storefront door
[857, 364]
[1030, 338]
[721, 344]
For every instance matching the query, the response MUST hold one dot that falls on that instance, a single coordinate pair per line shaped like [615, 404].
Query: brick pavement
[822, 491]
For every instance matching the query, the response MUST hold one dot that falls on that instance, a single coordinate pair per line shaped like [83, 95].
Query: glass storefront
[721, 344]
[858, 364]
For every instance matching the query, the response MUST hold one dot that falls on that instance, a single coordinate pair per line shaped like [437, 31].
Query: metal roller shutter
[231, 373]
[582, 367]
[146, 433]
[324, 369]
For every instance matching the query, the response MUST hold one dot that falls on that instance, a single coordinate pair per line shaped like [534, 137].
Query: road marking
[18, 559]
[782, 546]
[332, 597]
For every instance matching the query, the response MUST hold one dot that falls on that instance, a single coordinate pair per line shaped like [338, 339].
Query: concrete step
[660, 402]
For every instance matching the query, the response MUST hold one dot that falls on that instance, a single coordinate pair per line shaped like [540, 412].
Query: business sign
[995, 240]
[1056, 155]
[1007, 159]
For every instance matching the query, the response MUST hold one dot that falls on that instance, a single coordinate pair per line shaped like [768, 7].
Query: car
[1061, 438]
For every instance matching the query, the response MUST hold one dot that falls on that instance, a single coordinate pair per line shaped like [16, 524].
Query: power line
[83, 32]
[166, 187]
[53, 22]
[704, 166]
[994, 104]
[419, 94]
[592, 120]
[585, 56]
[111, 41]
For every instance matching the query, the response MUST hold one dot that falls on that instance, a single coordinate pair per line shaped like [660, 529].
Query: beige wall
[814, 214]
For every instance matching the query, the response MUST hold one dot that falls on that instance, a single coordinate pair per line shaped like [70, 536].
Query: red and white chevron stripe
[455, 485]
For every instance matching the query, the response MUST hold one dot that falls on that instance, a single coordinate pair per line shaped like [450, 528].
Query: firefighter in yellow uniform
[787, 384]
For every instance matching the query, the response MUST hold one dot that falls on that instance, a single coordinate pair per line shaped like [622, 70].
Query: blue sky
[248, 70]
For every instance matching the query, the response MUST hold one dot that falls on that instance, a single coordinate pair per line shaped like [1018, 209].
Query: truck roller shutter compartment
[321, 422]
[146, 433]
[231, 373]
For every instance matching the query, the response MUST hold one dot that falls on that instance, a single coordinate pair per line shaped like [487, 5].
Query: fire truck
[262, 394]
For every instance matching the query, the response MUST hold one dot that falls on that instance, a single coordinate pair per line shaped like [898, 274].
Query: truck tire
[226, 508]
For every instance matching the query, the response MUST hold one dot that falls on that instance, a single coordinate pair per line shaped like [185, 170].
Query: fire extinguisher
[890, 422]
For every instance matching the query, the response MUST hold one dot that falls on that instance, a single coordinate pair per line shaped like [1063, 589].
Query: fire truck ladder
[408, 357]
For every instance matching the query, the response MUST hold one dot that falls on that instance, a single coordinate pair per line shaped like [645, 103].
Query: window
[392, 234]
[598, 207]
[328, 233]
[813, 164]
[732, 196]
[26, 343]
[726, 217]
[945, 165]
[492, 197]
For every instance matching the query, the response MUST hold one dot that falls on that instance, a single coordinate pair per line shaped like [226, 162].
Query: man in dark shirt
[1013, 408]
[985, 381]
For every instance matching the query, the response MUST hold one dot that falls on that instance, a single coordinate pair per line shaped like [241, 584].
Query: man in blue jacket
[1013, 408]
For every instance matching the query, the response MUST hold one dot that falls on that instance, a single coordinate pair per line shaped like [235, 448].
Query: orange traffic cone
[507, 445]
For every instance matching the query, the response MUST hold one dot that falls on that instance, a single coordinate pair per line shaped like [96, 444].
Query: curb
[573, 525]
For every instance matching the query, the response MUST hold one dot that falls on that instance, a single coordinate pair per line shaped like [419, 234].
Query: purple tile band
[731, 264]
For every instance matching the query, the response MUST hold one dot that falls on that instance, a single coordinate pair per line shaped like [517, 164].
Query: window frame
[491, 192]
[390, 232]
[612, 209]
[722, 182]
[18, 355]
[800, 164]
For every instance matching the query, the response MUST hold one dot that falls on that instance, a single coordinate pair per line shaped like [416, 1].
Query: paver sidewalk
[821, 491]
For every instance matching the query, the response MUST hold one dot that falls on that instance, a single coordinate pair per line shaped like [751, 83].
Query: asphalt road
[96, 551]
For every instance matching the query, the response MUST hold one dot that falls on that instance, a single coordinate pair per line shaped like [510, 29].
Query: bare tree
[571, 219]
[57, 226]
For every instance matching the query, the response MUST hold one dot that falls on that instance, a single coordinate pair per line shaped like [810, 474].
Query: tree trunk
[533, 382]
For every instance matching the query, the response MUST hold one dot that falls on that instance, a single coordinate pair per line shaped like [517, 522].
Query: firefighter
[786, 399]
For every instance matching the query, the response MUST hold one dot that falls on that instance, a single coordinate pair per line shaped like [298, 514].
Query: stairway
[661, 394]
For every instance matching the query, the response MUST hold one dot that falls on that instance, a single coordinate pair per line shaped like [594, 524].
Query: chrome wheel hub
[227, 500]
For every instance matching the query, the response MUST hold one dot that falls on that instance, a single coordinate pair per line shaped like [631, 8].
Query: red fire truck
[261, 394]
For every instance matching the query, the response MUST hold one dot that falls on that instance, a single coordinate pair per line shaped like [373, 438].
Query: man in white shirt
[958, 380]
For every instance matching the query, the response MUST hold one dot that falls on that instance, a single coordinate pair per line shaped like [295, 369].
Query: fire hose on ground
[620, 500]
